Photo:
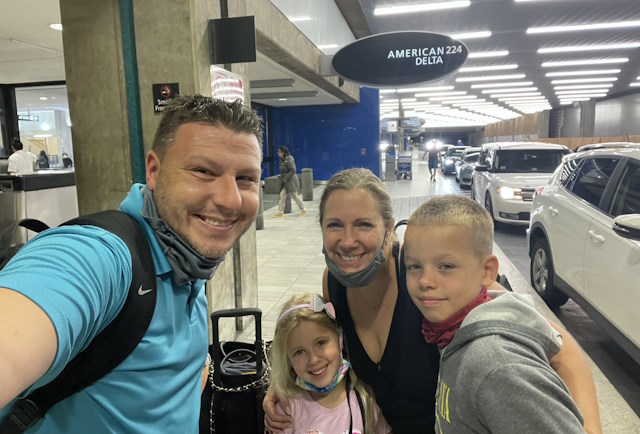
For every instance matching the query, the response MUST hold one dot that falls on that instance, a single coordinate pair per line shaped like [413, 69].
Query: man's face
[206, 186]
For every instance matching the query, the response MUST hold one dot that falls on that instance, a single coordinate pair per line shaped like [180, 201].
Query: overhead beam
[275, 95]
[354, 16]
[278, 82]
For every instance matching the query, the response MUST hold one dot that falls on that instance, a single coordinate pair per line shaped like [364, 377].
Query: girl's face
[352, 229]
[314, 353]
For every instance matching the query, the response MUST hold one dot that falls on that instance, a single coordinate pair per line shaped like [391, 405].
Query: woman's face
[352, 229]
[280, 154]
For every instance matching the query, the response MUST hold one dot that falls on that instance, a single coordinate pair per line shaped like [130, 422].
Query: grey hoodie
[495, 375]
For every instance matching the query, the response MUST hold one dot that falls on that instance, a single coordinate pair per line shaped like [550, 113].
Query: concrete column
[587, 118]
[171, 43]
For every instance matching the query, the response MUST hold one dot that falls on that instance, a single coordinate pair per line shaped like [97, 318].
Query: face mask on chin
[356, 279]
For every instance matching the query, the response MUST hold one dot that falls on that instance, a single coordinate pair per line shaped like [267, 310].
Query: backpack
[109, 348]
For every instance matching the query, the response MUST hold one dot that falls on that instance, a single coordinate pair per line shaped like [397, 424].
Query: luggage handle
[235, 313]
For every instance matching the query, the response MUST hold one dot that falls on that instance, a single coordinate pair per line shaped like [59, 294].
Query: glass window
[527, 160]
[568, 169]
[471, 158]
[593, 177]
[626, 199]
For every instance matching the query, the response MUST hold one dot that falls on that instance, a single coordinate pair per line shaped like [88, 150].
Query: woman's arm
[571, 365]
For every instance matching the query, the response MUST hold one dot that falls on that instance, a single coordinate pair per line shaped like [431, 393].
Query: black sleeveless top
[405, 380]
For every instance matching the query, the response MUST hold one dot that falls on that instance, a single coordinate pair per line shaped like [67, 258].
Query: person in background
[495, 353]
[290, 182]
[20, 161]
[66, 161]
[67, 284]
[433, 161]
[459, 143]
[43, 160]
[366, 282]
[309, 371]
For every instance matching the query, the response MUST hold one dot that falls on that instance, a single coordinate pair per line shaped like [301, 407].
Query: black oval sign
[400, 59]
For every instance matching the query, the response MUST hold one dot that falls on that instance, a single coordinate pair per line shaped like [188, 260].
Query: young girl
[309, 371]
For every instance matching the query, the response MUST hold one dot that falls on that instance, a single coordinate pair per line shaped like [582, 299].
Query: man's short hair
[460, 211]
[181, 110]
[17, 144]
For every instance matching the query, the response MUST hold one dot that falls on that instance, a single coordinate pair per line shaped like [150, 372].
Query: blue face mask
[336, 380]
[357, 279]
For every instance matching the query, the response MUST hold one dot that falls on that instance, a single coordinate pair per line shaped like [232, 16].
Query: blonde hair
[460, 211]
[283, 377]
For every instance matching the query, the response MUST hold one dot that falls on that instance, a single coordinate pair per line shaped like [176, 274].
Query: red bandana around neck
[443, 332]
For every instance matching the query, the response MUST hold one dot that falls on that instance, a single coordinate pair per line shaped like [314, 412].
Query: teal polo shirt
[80, 276]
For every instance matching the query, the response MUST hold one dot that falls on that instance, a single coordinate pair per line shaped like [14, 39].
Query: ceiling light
[596, 26]
[451, 98]
[585, 62]
[56, 26]
[422, 95]
[490, 78]
[391, 10]
[43, 98]
[636, 84]
[563, 101]
[298, 19]
[579, 91]
[282, 99]
[525, 98]
[425, 89]
[489, 85]
[510, 89]
[327, 46]
[574, 48]
[472, 35]
[586, 95]
[488, 68]
[408, 100]
[506, 95]
[584, 86]
[387, 90]
[575, 73]
[484, 54]
[584, 80]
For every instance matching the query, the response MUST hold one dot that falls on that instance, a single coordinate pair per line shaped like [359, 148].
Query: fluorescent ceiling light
[451, 98]
[506, 95]
[578, 27]
[574, 48]
[490, 78]
[425, 89]
[388, 90]
[584, 86]
[488, 68]
[406, 9]
[298, 19]
[282, 99]
[56, 26]
[327, 46]
[490, 85]
[586, 95]
[510, 89]
[576, 73]
[574, 100]
[585, 62]
[524, 98]
[584, 80]
[578, 91]
[635, 84]
[408, 100]
[485, 54]
[472, 35]
[456, 93]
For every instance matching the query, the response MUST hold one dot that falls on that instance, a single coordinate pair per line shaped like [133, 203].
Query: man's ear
[490, 270]
[152, 165]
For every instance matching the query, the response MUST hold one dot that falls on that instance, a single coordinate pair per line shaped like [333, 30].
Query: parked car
[449, 157]
[584, 240]
[507, 175]
[606, 145]
[466, 164]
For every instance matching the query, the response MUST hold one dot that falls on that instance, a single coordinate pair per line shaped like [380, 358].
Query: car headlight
[509, 193]
[447, 161]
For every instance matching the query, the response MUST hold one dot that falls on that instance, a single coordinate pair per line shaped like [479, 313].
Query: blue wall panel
[328, 138]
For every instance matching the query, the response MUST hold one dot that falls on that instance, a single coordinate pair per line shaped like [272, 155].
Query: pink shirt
[309, 417]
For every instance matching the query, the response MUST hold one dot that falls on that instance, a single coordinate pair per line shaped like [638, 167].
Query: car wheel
[489, 205]
[543, 275]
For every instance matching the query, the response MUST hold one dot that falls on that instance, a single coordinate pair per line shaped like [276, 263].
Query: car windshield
[471, 158]
[453, 152]
[527, 160]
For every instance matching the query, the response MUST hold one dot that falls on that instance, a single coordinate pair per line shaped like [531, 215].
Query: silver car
[465, 166]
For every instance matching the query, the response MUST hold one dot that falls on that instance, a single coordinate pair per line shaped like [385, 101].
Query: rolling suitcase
[238, 380]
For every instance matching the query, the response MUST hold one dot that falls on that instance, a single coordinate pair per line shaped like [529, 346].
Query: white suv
[507, 175]
[584, 240]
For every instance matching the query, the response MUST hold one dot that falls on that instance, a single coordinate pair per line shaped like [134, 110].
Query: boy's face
[443, 272]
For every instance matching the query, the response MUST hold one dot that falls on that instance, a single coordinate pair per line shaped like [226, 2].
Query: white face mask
[359, 278]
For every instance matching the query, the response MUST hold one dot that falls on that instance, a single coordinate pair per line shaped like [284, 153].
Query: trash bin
[306, 180]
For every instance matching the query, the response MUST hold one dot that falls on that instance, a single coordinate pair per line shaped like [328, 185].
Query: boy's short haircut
[461, 211]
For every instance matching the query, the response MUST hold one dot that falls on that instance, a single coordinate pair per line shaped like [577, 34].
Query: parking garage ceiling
[602, 58]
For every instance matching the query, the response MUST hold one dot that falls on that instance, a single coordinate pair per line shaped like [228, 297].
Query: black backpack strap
[7, 251]
[109, 348]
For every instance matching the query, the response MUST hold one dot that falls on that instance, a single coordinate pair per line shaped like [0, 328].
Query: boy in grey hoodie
[495, 375]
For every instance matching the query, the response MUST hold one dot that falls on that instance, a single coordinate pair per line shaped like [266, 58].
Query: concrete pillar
[306, 181]
[171, 43]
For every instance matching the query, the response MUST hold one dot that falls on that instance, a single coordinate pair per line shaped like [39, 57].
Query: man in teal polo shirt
[67, 284]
